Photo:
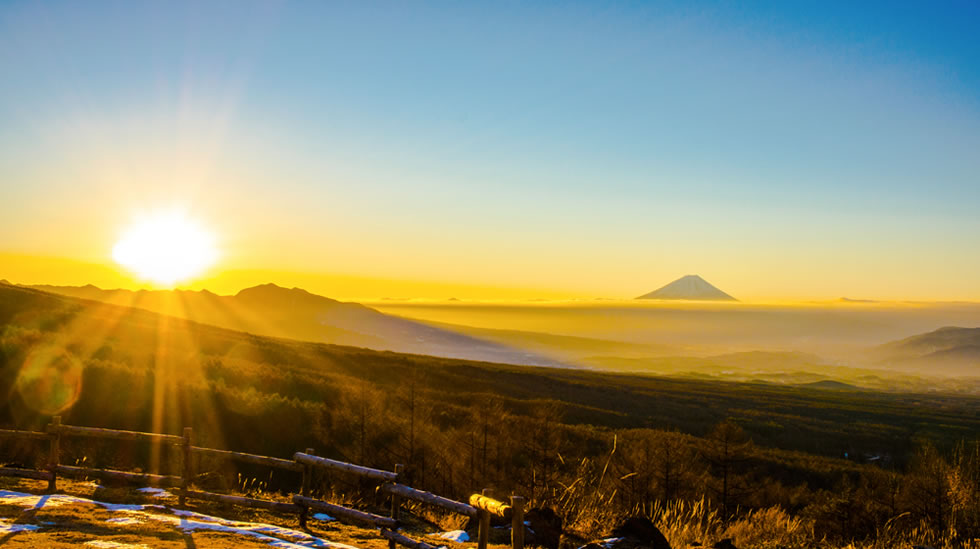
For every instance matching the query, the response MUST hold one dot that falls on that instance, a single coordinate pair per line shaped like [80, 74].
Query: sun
[166, 248]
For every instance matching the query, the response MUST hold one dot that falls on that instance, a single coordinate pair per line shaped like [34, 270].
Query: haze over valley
[846, 341]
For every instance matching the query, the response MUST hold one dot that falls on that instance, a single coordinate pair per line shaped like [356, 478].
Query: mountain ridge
[295, 313]
[949, 346]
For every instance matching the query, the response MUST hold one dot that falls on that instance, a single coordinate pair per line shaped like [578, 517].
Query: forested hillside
[590, 445]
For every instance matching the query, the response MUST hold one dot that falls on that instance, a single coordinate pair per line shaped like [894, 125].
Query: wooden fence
[481, 506]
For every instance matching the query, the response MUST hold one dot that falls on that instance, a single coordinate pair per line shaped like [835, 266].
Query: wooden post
[517, 522]
[396, 502]
[484, 516]
[305, 489]
[54, 451]
[188, 474]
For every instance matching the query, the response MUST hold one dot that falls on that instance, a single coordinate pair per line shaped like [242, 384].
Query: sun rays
[166, 247]
[75, 351]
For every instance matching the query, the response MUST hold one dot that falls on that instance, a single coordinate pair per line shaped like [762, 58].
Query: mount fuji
[691, 287]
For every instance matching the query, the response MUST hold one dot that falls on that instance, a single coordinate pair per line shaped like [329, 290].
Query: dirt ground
[131, 519]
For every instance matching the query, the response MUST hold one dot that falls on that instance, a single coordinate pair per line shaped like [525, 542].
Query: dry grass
[771, 528]
[590, 512]
[685, 522]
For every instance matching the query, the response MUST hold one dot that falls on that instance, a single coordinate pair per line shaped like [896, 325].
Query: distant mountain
[691, 287]
[949, 347]
[944, 339]
[294, 313]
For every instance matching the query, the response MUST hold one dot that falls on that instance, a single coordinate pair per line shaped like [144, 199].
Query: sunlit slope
[101, 364]
[295, 313]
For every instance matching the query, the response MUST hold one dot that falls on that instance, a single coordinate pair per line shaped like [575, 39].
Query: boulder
[724, 544]
[632, 533]
[625, 543]
[643, 530]
[544, 528]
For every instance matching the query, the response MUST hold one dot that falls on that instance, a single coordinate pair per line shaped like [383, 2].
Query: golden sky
[482, 154]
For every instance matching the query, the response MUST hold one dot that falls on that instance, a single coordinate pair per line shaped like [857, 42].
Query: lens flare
[50, 380]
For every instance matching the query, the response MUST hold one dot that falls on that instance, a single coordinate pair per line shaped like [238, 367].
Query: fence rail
[24, 473]
[168, 481]
[480, 506]
[116, 434]
[317, 461]
[427, 497]
[255, 459]
[36, 435]
[395, 537]
[492, 506]
[245, 502]
[339, 511]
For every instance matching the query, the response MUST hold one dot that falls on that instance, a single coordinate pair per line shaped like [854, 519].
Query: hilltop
[690, 287]
[953, 348]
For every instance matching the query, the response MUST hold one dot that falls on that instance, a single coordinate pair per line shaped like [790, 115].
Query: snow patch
[6, 527]
[186, 521]
[57, 500]
[323, 516]
[607, 543]
[458, 536]
[29, 501]
[155, 492]
[124, 520]
[108, 544]
[192, 521]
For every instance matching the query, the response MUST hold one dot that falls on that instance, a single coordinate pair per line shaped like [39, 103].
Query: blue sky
[594, 147]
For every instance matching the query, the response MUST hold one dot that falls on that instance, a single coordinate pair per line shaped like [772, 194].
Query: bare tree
[726, 449]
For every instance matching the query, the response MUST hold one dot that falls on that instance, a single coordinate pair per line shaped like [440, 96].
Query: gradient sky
[501, 150]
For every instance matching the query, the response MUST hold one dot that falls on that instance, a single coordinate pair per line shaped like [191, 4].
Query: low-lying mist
[825, 327]
[631, 335]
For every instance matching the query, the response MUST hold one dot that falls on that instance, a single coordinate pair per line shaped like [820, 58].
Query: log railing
[481, 506]
[316, 461]
[19, 471]
[425, 497]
